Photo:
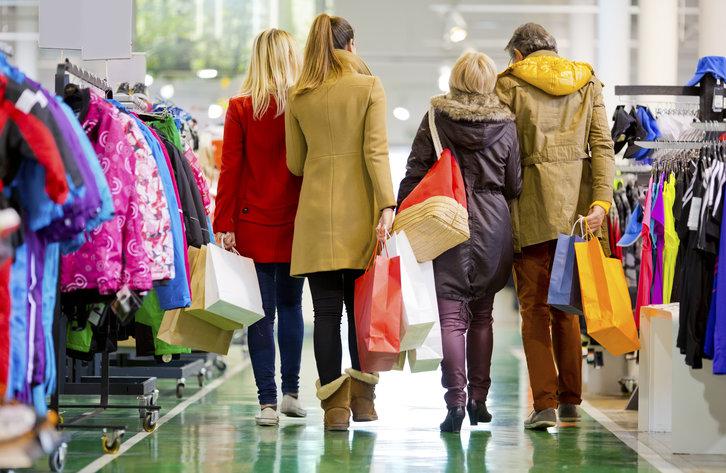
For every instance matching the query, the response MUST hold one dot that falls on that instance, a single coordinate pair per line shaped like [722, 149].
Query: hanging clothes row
[108, 202]
[641, 124]
[680, 232]
[166, 188]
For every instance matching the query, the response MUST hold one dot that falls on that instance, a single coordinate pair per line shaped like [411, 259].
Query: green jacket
[567, 151]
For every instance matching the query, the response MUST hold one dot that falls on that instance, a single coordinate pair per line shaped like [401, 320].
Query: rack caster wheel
[57, 459]
[111, 443]
[200, 378]
[180, 390]
[220, 364]
[149, 422]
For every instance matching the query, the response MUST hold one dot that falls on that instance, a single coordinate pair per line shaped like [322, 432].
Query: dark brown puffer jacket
[482, 136]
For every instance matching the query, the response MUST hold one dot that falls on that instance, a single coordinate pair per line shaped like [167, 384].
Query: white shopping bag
[418, 292]
[232, 291]
[428, 356]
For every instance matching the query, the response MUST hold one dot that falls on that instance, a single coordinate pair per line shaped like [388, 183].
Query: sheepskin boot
[335, 401]
[362, 394]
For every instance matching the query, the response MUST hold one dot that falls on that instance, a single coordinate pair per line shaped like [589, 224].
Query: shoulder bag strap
[434, 132]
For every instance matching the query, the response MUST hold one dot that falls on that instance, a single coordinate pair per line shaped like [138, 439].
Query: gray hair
[530, 37]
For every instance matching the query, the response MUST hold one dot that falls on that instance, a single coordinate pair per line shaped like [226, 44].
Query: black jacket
[482, 136]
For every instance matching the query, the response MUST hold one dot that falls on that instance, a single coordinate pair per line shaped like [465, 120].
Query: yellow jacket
[567, 151]
[336, 140]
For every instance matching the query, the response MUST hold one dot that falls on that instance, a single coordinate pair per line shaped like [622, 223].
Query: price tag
[695, 215]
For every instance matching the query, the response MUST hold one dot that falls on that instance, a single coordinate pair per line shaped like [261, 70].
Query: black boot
[453, 420]
[478, 412]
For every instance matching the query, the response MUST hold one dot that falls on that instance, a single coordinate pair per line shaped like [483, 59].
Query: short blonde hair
[474, 73]
[274, 67]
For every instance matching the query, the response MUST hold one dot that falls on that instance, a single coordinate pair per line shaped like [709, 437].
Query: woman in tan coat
[336, 140]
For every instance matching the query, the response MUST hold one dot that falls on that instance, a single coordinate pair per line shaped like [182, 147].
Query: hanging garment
[114, 256]
[174, 293]
[646, 259]
[658, 230]
[153, 207]
[671, 242]
[719, 303]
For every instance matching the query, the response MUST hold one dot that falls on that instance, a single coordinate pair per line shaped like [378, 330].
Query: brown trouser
[551, 337]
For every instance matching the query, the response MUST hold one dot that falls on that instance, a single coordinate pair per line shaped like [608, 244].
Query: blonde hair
[273, 69]
[474, 73]
[327, 34]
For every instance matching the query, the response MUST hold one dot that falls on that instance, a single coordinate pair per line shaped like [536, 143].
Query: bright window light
[207, 73]
[401, 113]
[148, 80]
[167, 91]
[215, 111]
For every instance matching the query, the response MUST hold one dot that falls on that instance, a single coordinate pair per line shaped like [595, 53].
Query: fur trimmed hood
[472, 107]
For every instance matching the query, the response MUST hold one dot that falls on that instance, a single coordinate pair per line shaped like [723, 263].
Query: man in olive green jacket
[567, 171]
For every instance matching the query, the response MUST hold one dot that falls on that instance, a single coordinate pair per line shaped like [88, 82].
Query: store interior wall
[405, 42]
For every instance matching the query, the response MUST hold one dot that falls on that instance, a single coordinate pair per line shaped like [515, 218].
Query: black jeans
[330, 291]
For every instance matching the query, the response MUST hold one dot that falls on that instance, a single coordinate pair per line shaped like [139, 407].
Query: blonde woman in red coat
[255, 211]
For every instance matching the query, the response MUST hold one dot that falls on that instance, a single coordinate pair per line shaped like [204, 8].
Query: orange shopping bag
[434, 215]
[378, 311]
[605, 298]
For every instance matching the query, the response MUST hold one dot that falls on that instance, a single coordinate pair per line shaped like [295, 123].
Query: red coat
[257, 195]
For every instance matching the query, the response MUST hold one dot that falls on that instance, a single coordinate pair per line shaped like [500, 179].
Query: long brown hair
[327, 34]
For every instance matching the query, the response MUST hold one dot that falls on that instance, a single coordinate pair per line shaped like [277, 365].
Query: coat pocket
[267, 216]
[556, 154]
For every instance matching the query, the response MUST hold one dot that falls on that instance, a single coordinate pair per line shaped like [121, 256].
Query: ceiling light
[148, 80]
[207, 73]
[401, 113]
[455, 30]
[167, 91]
[444, 75]
[215, 111]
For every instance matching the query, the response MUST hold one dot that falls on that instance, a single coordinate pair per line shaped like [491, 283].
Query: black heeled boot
[478, 412]
[454, 419]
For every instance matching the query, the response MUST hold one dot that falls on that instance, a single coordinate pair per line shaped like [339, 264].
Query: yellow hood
[551, 73]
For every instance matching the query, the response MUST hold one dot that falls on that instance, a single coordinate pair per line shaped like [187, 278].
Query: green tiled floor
[218, 433]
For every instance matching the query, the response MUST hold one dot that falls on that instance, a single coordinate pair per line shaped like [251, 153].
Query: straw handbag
[434, 216]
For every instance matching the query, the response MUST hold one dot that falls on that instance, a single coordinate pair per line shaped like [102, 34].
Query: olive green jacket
[567, 151]
[336, 140]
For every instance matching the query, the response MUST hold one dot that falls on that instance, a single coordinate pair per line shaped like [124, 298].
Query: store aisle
[218, 433]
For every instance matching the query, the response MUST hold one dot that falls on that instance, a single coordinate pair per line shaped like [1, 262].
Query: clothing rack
[67, 69]
[96, 381]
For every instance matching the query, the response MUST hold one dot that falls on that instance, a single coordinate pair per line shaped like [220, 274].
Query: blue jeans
[281, 293]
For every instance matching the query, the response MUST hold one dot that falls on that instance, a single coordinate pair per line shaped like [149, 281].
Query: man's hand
[595, 218]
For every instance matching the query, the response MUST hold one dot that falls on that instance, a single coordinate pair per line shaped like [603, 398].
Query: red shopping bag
[378, 311]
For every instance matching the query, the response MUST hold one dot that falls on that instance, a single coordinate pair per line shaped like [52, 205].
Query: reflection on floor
[218, 434]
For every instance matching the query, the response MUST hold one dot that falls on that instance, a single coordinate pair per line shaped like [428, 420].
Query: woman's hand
[226, 239]
[384, 225]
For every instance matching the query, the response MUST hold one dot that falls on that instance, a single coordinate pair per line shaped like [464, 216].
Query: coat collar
[352, 62]
[472, 107]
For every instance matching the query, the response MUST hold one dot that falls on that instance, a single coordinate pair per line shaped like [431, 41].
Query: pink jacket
[154, 210]
[114, 254]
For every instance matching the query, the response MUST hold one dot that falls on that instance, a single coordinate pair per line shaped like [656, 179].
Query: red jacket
[257, 195]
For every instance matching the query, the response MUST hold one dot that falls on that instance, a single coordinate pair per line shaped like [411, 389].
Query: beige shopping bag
[180, 328]
[428, 356]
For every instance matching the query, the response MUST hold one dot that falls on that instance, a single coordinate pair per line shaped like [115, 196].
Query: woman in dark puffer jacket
[482, 136]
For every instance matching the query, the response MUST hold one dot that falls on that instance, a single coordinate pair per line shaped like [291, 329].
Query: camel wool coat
[336, 140]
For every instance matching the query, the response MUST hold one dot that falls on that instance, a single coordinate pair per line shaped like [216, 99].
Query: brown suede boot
[362, 394]
[335, 401]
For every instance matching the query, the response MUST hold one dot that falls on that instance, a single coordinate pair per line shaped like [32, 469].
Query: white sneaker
[267, 417]
[291, 407]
